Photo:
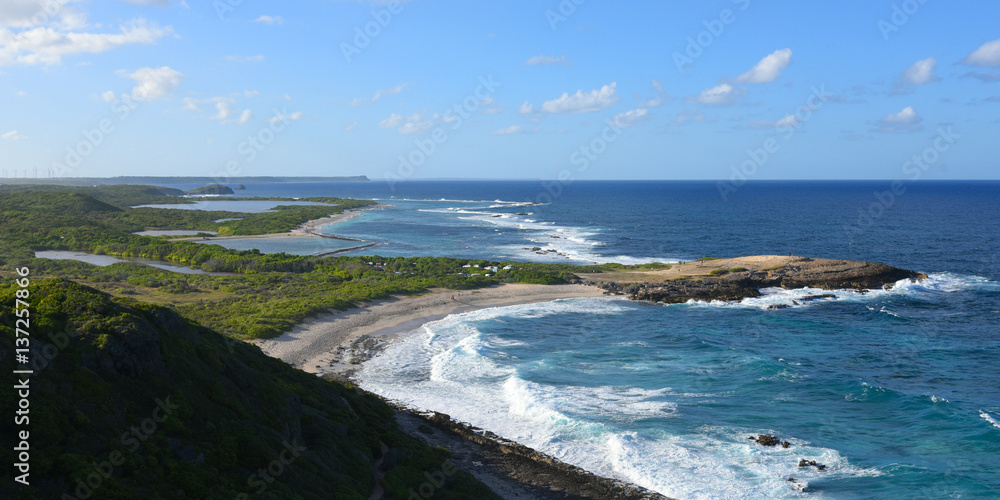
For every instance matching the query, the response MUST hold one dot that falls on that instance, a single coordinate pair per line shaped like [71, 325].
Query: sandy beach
[318, 345]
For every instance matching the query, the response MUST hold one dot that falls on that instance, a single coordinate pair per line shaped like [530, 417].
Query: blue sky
[572, 89]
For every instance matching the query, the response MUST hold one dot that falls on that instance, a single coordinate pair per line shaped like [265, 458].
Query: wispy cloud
[768, 69]
[631, 117]
[269, 20]
[547, 60]
[906, 120]
[13, 135]
[47, 45]
[721, 95]
[379, 94]
[580, 102]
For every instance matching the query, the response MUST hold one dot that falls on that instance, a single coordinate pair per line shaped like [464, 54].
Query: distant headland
[149, 180]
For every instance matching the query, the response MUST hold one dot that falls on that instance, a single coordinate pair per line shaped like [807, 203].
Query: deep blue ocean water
[897, 392]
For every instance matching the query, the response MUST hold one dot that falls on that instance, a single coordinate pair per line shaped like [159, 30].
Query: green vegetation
[115, 340]
[211, 189]
[738, 269]
[270, 294]
[143, 403]
[718, 272]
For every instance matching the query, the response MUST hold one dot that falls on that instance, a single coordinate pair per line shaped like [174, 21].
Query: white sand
[312, 346]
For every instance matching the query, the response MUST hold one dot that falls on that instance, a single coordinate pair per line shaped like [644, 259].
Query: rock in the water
[767, 440]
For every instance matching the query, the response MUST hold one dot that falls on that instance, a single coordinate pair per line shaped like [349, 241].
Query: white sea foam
[937, 283]
[443, 368]
[557, 243]
[989, 418]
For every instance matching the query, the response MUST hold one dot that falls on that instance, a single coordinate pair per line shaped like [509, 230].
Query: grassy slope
[236, 410]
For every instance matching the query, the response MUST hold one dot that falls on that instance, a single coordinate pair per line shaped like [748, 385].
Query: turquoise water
[897, 392]
[894, 391]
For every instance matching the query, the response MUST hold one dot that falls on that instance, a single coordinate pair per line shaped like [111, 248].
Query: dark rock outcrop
[815, 273]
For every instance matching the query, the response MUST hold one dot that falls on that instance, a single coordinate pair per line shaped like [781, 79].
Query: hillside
[143, 403]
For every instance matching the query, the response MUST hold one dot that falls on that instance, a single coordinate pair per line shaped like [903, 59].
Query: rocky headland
[744, 277]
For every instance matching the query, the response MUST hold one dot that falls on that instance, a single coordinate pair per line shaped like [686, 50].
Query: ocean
[897, 392]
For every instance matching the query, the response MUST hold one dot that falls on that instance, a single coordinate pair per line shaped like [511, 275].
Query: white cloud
[393, 121]
[513, 129]
[13, 135]
[525, 108]
[987, 54]
[658, 86]
[655, 102]
[547, 60]
[488, 108]
[415, 127]
[920, 73]
[291, 117]
[351, 126]
[784, 122]
[269, 20]
[223, 110]
[630, 118]
[768, 69]
[154, 83]
[723, 94]
[34, 13]
[905, 120]
[788, 121]
[46, 45]
[581, 102]
[365, 101]
[246, 116]
[108, 96]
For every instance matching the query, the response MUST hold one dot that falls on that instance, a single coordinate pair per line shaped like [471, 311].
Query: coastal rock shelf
[743, 277]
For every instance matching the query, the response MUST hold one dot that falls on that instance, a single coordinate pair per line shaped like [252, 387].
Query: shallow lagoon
[107, 260]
